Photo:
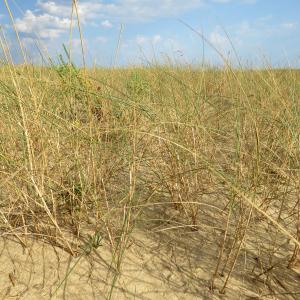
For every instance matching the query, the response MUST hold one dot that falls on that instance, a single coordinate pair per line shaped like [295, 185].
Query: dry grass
[206, 160]
[103, 152]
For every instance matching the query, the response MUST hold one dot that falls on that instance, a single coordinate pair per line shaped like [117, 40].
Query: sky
[126, 32]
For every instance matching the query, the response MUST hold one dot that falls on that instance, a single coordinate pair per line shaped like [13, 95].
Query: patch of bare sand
[158, 264]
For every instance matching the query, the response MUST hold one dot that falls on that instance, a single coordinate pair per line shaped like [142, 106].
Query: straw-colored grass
[96, 153]
[195, 156]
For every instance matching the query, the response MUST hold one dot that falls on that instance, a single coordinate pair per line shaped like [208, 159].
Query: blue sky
[261, 31]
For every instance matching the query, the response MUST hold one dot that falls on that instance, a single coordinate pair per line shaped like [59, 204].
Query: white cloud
[106, 24]
[219, 40]
[249, 1]
[289, 25]
[127, 10]
[144, 40]
[51, 7]
[28, 42]
[239, 1]
[52, 18]
[156, 39]
[173, 45]
[101, 39]
[243, 29]
[86, 9]
[44, 25]
[121, 9]
[259, 30]
[140, 40]
[221, 1]
[147, 48]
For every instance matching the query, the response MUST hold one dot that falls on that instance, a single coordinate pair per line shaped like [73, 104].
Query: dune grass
[93, 154]
[85, 153]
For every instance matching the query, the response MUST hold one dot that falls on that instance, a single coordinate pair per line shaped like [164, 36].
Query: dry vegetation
[204, 162]
[149, 183]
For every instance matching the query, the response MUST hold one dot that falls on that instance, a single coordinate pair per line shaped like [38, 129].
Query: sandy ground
[166, 264]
